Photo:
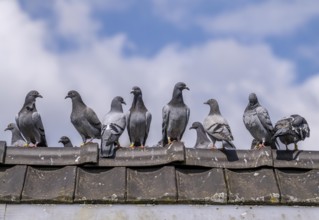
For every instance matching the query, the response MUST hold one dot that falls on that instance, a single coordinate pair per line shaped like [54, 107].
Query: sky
[102, 48]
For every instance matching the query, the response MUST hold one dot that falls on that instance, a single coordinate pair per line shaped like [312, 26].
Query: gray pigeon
[113, 126]
[16, 140]
[66, 141]
[258, 123]
[84, 118]
[291, 130]
[216, 125]
[175, 116]
[29, 121]
[202, 141]
[139, 120]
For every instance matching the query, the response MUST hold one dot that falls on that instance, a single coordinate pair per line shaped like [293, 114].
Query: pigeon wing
[264, 118]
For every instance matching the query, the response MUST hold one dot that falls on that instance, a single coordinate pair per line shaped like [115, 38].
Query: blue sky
[220, 49]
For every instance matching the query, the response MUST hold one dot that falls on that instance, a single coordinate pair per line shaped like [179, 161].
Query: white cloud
[224, 69]
[248, 18]
[263, 19]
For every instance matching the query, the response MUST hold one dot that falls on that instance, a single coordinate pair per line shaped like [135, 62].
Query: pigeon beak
[132, 91]
[123, 103]
[67, 97]
[39, 96]
[205, 103]
[60, 141]
[191, 128]
[6, 129]
[186, 88]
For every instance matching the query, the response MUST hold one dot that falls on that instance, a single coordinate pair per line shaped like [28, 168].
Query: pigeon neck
[16, 135]
[201, 136]
[77, 102]
[68, 144]
[116, 106]
[177, 97]
[29, 102]
[138, 102]
[214, 110]
[250, 106]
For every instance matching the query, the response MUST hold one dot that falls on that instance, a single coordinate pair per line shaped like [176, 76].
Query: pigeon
[291, 130]
[175, 116]
[202, 141]
[139, 120]
[29, 121]
[216, 125]
[113, 126]
[16, 140]
[258, 123]
[66, 141]
[84, 118]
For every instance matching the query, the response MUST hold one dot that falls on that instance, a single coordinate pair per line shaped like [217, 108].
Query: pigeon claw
[132, 146]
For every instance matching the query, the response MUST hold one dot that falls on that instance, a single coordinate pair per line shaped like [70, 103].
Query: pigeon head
[10, 127]
[64, 140]
[32, 95]
[196, 125]
[136, 90]
[73, 94]
[214, 107]
[181, 86]
[119, 99]
[253, 100]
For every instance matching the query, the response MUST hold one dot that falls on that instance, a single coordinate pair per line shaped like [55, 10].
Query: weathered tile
[52, 156]
[3, 146]
[11, 182]
[156, 184]
[296, 159]
[201, 185]
[256, 186]
[100, 185]
[148, 156]
[231, 159]
[49, 185]
[298, 186]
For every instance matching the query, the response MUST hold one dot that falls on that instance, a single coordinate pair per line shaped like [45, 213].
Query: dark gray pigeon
[29, 121]
[139, 120]
[216, 125]
[84, 118]
[175, 116]
[66, 141]
[202, 141]
[291, 129]
[258, 123]
[113, 126]
[16, 140]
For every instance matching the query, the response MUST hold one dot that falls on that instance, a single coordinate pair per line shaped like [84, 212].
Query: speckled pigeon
[84, 118]
[66, 141]
[202, 141]
[217, 126]
[16, 140]
[113, 126]
[139, 120]
[291, 130]
[175, 116]
[258, 123]
[29, 121]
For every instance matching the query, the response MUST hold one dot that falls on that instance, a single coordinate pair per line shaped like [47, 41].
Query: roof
[159, 175]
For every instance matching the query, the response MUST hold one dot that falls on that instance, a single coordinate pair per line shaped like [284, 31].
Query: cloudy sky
[102, 48]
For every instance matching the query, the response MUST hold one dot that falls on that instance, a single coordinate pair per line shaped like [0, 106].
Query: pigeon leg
[132, 146]
[287, 147]
[296, 146]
